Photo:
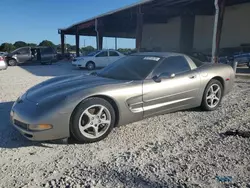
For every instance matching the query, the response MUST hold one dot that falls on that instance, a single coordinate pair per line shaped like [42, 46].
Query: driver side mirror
[163, 75]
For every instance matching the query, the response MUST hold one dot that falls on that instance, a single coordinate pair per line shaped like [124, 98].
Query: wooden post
[139, 29]
[218, 23]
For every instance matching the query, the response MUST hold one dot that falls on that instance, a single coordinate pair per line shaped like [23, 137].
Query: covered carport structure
[145, 17]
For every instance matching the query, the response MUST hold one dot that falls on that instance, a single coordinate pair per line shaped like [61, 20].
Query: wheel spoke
[86, 126]
[209, 96]
[216, 98]
[100, 111]
[89, 114]
[212, 88]
[95, 130]
[217, 90]
[104, 121]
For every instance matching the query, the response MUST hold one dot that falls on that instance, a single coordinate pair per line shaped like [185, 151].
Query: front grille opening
[28, 135]
[21, 124]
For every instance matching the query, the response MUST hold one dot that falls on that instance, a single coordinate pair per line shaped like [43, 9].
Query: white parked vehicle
[97, 59]
[3, 64]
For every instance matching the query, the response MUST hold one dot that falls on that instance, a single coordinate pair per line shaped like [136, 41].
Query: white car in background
[3, 64]
[97, 59]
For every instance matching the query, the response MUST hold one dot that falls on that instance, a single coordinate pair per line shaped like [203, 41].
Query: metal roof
[109, 13]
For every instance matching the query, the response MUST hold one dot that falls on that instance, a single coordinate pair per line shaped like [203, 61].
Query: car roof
[160, 54]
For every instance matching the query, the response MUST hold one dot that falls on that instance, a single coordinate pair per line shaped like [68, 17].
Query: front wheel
[12, 62]
[90, 66]
[92, 120]
[212, 95]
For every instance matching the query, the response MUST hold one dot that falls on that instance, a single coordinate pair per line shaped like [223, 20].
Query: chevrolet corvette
[88, 106]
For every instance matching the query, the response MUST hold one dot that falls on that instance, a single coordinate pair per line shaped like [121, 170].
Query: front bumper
[77, 64]
[25, 114]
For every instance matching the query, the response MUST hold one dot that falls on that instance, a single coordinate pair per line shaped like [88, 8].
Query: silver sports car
[138, 86]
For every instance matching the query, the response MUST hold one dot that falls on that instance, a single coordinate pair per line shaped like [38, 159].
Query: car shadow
[9, 136]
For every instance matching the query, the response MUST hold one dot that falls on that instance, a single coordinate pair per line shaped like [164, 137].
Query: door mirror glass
[167, 75]
[157, 79]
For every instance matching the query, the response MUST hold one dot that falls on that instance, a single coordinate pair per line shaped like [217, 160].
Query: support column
[99, 41]
[218, 23]
[99, 28]
[115, 43]
[77, 44]
[139, 29]
[187, 33]
[62, 43]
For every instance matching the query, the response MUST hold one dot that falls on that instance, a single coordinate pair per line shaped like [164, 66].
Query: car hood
[65, 85]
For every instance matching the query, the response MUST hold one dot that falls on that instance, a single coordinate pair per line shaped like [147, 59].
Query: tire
[212, 99]
[90, 65]
[248, 64]
[12, 62]
[92, 126]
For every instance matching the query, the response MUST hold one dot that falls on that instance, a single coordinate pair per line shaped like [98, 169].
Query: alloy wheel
[213, 96]
[94, 121]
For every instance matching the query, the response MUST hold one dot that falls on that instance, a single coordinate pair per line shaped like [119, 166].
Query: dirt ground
[183, 149]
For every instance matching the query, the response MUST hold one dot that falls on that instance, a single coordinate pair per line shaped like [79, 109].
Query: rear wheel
[90, 65]
[93, 120]
[212, 95]
[12, 62]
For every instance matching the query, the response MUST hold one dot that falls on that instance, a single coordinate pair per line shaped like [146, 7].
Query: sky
[32, 21]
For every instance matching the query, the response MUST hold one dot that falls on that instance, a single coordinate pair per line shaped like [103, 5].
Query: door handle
[192, 76]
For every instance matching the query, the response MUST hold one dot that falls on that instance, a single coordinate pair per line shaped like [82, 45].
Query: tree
[87, 49]
[47, 43]
[31, 44]
[19, 44]
[7, 47]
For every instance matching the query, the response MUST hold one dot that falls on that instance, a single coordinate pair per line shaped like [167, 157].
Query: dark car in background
[39, 54]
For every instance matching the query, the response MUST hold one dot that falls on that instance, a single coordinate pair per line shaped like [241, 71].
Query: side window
[113, 53]
[102, 54]
[47, 51]
[172, 65]
[24, 51]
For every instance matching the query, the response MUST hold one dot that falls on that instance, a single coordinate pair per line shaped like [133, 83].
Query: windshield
[93, 53]
[130, 68]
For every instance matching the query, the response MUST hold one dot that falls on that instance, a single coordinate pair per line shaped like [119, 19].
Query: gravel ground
[183, 149]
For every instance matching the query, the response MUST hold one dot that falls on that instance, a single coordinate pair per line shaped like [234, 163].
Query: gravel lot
[183, 149]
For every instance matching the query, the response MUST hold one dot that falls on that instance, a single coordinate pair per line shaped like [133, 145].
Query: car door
[101, 59]
[113, 56]
[174, 85]
[23, 55]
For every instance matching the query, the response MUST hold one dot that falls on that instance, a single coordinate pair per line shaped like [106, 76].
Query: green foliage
[86, 50]
[31, 44]
[7, 47]
[47, 43]
[125, 50]
[20, 44]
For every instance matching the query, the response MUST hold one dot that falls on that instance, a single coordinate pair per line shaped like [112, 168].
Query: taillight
[1, 58]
